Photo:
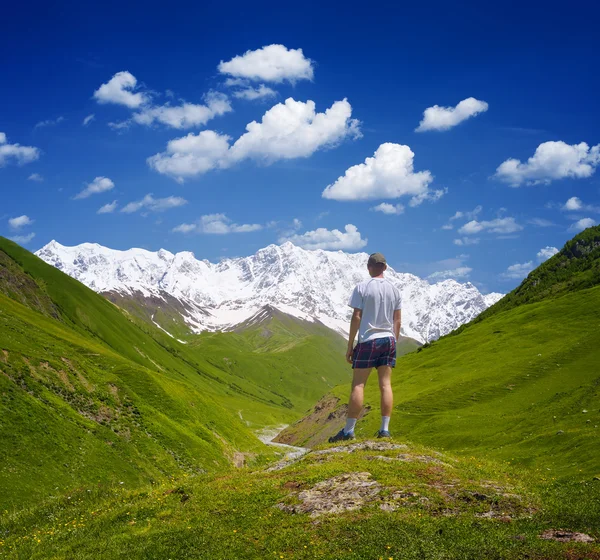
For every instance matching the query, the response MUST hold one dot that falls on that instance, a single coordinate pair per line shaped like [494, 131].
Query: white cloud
[388, 174]
[462, 241]
[575, 204]
[88, 119]
[447, 226]
[294, 129]
[108, 208]
[23, 239]
[389, 208]
[49, 122]
[540, 222]
[582, 224]
[462, 272]
[545, 253]
[218, 224]
[119, 90]
[431, 196]
[297, 224]
[552, 160]
[321, 238]
[35, 177]
[518, 270]
[499, 225]
[192, 155]
[16, 153]
[186, 115]
[273, 63]
[444, 118]
[468, 215]
[250, 93]
[98, 185]
[154, 204]
[288, 130]
[20, 221]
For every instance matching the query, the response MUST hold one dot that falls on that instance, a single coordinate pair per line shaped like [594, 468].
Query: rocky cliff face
[311, 285]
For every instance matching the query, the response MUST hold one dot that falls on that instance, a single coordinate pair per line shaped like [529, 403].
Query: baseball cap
[377, 258]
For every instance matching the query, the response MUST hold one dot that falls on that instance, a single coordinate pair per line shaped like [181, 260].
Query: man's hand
[349, 353]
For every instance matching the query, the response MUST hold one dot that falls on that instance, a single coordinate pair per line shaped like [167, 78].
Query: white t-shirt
[378, 300]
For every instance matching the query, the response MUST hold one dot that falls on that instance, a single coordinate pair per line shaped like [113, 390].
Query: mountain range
[181, 294]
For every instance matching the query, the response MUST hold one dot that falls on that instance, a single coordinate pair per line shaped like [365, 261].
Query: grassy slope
[505, 387]
[89, 395]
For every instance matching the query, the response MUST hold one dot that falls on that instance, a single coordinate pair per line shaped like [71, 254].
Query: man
[376, 318]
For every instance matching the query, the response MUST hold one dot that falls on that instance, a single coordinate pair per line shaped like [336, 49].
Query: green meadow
[119, 441]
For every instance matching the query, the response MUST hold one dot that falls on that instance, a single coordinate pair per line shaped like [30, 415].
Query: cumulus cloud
[462, 273]
[499, 225]
[23, 239]
[389, 208]
[218, 224]
[49, 122]
[545, 253]
[463, 241]
[192, 155]
[250, 93]
[154, 204]
[108, 208]
[575, 204]
[15, 153]
[88, 119]
[288, 130]
[120, 91]
[518, 270]
[388, 174]
[186, 115]
[294, 129]
[273, 63]
[20, 221]
[582, 224]
[98, 185]
[35, 177]
[322, 238]
[444, 118]
[551, 161]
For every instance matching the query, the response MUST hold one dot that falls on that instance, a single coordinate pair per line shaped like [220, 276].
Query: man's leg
[387, 396]
[359, 380]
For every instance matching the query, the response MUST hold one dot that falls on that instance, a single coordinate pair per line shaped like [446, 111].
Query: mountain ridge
[309, 285]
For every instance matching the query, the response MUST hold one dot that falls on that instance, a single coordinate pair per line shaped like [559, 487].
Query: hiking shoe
[341, 436]
[383, 434]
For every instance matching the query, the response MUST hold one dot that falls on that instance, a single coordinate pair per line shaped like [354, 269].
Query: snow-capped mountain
[311, 285]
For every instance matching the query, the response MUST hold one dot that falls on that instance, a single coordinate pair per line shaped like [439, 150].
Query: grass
[523, 386]
[91, 394]
[442, 506]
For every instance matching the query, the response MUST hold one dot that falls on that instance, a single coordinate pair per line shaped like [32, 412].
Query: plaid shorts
[375, 353]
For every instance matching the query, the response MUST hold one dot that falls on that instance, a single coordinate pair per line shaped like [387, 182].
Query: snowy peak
[311, 285]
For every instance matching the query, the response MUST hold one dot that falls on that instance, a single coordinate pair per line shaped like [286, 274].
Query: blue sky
[475, 194]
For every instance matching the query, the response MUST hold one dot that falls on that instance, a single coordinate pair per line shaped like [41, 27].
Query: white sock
[350, 423]
[385, 423]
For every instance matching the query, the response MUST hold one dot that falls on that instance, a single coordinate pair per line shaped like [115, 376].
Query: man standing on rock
[376, 319]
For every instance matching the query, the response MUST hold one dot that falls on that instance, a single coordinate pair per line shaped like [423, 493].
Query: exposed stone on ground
[346, 492]
[565, 536]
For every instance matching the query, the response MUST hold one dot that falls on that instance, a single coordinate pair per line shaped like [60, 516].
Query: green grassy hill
[521, 384]
[90, 394]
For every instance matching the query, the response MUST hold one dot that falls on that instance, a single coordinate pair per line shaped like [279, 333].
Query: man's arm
[354, 326]
[397, 323]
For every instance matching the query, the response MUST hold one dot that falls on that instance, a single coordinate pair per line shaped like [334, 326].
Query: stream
[267, 435]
